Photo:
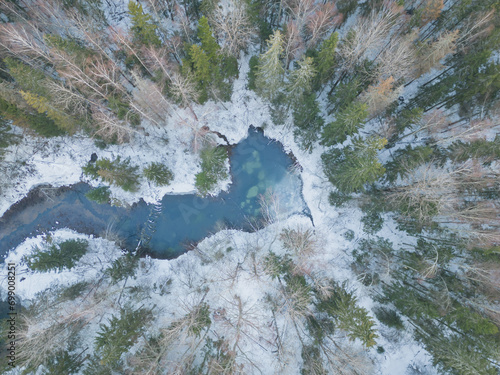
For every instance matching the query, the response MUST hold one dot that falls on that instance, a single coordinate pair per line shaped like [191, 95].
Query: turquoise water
[259, 167]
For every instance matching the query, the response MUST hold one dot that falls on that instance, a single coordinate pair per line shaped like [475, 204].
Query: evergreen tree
[118, 172]
[325, 62]
[119, 334]
[307, 120]
[202, 69]
[208, 42]
[301, 80]
[270, 71]
[350, 168]
[213, 169]
[347, 123]
[44, 106]
[56, 256]
[142, 27]
[158, 173]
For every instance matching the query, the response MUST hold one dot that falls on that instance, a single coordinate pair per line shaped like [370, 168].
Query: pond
[259, 169]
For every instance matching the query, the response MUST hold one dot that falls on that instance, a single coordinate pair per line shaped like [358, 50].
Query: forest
[391, 110]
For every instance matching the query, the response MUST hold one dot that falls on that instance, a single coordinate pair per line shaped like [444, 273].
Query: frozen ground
[58, 162]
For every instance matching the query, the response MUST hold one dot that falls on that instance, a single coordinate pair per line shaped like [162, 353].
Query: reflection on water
[259, 167]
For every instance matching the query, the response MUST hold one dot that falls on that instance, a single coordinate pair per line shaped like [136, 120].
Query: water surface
[259, 167]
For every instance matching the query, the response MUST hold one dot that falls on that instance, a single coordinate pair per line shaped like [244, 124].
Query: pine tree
[270, 71]
[142, 27]
[350, 168]
[301, 80]
[326, 62]
[348, 122]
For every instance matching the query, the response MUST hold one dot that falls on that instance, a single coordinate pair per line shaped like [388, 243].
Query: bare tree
[232, 27]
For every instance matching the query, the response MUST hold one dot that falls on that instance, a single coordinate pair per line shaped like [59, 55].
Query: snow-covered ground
[58, 162]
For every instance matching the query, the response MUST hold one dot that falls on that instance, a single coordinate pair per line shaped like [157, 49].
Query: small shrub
[349, 235]
[57, 256]
[100, 195]
[158, 173]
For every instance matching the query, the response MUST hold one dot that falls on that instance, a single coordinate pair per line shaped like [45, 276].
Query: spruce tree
[201, 69]
[348, 122]
[350, 168]
[142, 27]
[325, 62]
[208, 42]
[300, 80]
[270, 71]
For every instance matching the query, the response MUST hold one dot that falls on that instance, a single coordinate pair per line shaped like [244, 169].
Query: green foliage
[350, 168]
[348, 122]
[39, 122]
[252, 73]
[407, 159]
[200, 317]
[346, 7]
[100, 194]
[342, 306]
[325, 62]
[389, 317]
[307, 120]
[116, 172]
[312, 361]
[26, 77]
[123, 111]
[142, 27]
[7, 138]
[70, 46]
[43, 106]
[276, 265]
[208, 42]
[217, 353]
[123, 267]
[95, 366]
[270, 71]
[480, 149]
[372, 222]
[338, 199]
[408, 118]
[56, 256]
[63, 363]
[119, 334]
[158, 173]
[201, 68]
[73, 291]
[345, 94]
[91, 170]
[213, 169]
[471, 322]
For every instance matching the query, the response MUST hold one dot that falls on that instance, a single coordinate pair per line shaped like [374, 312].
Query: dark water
[258, 166]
